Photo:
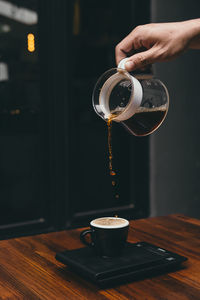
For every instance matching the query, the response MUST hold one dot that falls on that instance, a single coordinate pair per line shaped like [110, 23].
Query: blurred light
[76, 18]
[14, 112]
[31, 42]
[5, 28]
[4, 76]
[19, 14]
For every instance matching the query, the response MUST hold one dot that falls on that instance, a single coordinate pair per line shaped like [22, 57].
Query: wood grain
[29, 270]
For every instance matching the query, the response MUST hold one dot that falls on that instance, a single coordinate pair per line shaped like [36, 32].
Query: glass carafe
[140, 105]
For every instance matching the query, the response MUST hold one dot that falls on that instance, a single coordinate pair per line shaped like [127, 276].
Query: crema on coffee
[109, 222]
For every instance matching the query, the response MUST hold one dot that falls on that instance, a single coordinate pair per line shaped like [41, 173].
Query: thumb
[141, 59]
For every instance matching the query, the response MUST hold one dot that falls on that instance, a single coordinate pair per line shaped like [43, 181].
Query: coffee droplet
[116, 216]
[117, 196]
[113, 183]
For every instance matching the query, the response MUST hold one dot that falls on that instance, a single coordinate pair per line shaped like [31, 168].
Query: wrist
[192, 31]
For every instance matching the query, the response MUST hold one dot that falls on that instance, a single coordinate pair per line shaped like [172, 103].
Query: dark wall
[175, 147]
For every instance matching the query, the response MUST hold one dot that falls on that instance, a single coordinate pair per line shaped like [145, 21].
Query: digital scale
[139, 261]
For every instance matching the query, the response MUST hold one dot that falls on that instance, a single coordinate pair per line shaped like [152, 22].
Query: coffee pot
[140, 105]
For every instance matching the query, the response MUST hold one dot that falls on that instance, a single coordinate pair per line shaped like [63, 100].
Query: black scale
[139, 260]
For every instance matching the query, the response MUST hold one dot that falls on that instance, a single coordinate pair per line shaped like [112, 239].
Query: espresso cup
[108, 236]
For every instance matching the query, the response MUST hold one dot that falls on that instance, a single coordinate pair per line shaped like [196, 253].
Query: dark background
[53, 147]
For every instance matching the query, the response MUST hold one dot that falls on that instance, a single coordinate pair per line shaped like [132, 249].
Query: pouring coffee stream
[110, 156]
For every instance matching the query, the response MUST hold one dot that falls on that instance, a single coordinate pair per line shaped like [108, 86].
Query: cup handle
[83, 235]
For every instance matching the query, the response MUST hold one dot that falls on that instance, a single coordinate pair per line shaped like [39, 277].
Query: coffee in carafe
[139, 105]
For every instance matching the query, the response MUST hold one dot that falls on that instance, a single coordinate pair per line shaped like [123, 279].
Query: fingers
[120, 53]
[141, 59]
[123, 48]
[130, 43]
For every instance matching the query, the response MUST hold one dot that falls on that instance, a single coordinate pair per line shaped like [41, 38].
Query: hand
[162, 41]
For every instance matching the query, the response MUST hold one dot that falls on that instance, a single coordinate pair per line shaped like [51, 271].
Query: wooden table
[29, 270]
